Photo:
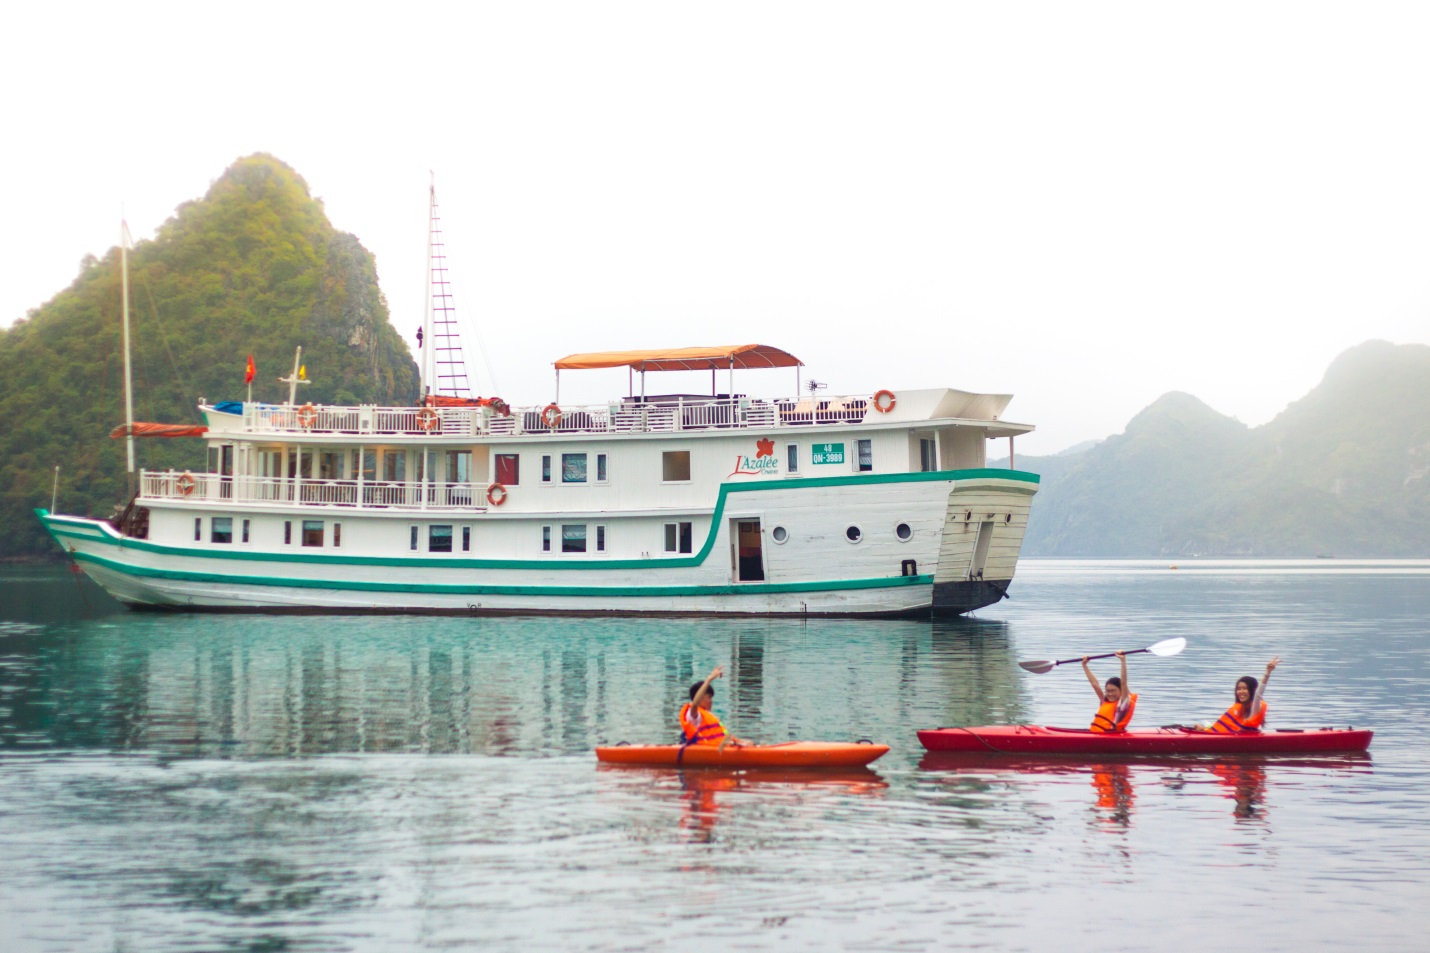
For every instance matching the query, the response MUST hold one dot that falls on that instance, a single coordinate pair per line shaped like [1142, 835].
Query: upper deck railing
[358, 494]
[630, 416]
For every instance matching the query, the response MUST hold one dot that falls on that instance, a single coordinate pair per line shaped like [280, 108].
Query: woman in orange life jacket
[1248, 712]
[1115, 702]
[698, 724]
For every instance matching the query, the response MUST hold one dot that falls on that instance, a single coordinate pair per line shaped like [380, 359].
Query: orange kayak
[791, 754]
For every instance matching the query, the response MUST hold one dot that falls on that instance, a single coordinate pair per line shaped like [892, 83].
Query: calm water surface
[314, 783]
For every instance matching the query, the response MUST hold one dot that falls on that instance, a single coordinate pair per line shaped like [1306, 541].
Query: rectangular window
[466, 539]
[675, 466]
[679, 538]
[394, 466]
[221, 529]
[928, 455]
[412, 545]
[509, 469]
[600, 468]
[245, 531]
[546, 539]
[866, 456]
[287, 532]
[545, 468]
[198, 529]
[337, 535]
[573, 468]
[792, 458]
[312, 532]
[600, 539]
[439, 539]
[573, 537]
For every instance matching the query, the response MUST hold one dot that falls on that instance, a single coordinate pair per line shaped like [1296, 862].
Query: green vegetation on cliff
[1344, 471]
[252, 267]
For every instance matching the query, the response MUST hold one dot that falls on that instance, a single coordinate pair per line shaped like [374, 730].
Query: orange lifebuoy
[186, 483]
[496, 494]
[551, 416]
[427, 418]
[307, 416]
[880, 401]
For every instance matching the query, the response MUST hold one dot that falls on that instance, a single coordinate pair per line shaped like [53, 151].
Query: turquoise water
[351, 783]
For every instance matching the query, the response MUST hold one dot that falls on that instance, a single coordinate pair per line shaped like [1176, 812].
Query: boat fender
[307, 416]
[884, 401]
[551, 416]
[496, 494]
[427, 418]
[186, 483]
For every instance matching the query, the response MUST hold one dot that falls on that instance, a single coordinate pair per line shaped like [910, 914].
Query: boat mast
[426, 330]
[449, 370]
[128, 373]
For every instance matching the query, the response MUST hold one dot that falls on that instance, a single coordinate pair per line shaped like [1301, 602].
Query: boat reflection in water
[1243, 780]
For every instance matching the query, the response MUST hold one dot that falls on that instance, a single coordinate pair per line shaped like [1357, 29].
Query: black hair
[1251, 684]
[1115, 680]
[696, 687]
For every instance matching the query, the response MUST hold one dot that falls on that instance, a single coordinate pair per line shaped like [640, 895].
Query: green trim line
[426, 562]
[146, 572]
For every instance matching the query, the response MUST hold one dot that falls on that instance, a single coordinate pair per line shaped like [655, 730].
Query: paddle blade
[1169, 647]
[1040, 667]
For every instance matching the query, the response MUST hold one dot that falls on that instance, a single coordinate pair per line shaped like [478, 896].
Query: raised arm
[1092, 679]
[1261, 689]
[1126, 689]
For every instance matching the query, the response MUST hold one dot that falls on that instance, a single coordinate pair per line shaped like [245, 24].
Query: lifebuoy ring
[884, 401]
[307, 416]
[551, 416]
[186, 483]
[427, 418]
[496, 494]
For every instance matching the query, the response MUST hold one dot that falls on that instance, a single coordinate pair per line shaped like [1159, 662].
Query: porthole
[779, 534]
[853, 534]
[904, 531]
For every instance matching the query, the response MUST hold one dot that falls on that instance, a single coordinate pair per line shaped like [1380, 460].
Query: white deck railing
[378, 494]
[631, 416]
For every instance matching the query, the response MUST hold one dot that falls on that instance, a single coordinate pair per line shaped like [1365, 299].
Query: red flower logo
[765, 448]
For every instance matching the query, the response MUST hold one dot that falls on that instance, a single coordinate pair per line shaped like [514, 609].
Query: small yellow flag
[303, 373]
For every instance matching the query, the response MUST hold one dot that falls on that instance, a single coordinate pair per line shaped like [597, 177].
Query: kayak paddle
[1161, 649]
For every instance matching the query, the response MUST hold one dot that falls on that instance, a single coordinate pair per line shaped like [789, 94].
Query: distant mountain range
[1344, 471]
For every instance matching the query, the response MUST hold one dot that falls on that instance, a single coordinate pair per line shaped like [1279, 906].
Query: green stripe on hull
[746, 588]
[425, 562]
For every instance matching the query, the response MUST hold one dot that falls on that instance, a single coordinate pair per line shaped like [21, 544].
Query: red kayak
[1079, 742]
[791, 754]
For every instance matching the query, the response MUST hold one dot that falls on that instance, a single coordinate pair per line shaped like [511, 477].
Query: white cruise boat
[873, 505]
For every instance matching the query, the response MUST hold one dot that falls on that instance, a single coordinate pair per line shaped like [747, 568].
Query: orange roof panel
[685, 358]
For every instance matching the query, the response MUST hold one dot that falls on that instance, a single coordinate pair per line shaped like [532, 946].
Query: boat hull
[1081, 743]
[793, 754]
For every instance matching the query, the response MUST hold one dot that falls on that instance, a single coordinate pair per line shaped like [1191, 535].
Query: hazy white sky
[1086, 205]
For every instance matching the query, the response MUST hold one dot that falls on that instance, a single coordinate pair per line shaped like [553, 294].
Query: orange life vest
[703, 730]
[1232, 722]
[1107, 711]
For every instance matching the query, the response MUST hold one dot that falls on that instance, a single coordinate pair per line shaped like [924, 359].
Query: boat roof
[685, 358]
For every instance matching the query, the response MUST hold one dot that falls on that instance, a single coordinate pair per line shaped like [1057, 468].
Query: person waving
[1248, 712]
[698, 724]
[1115, 703]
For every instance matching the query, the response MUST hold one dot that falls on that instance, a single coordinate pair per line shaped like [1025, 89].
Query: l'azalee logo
[764, 463]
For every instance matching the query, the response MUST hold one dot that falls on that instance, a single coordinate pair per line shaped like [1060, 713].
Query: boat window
[573, 468]
[245, 531]
[394, 466]
[866, 456]
[337, 535]
[573, 537]
[853, 534]
[928, 455]
[600, 539]
[545, 468]
[369, 465]
[459, 466]
[679, 537]
[198, 529]
[779, 534]
[439, 539]
[221, 529]
[312, 532]
[675, 466]
[600, 468]
[904, 531]
[546, 539]
[413, 544]
[509, 469]
[466, 539]
[330, 464]
[287, 532]
[792, 458]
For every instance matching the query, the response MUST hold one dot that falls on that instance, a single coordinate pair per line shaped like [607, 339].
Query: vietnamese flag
[250, 372]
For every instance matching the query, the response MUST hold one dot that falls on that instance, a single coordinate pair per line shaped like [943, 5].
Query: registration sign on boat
[827, 453]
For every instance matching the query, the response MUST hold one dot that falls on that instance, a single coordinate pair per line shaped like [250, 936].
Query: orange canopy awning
[160, 430]
[685, 358]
